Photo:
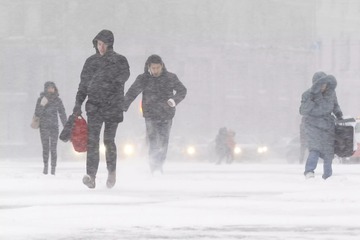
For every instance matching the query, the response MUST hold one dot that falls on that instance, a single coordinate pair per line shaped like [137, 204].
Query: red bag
[79, 134]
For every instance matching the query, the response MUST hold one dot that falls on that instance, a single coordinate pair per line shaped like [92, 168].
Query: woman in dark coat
[318, 106]
[48, 106]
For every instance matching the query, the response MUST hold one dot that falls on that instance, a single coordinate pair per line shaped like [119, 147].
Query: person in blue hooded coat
[102, 82]
[48, 107]
[319, 107]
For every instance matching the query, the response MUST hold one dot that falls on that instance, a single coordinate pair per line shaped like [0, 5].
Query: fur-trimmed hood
[321, 78]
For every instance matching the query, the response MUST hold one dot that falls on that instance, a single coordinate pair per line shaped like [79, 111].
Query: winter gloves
[171, 102]
[44, 101]
[339, 116]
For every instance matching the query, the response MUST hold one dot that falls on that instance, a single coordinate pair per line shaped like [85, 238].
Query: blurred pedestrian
[225, 145]
[318, 106]
[221, 145]
[48, 107]
[161, 92]
[103, 79]
[231, 145]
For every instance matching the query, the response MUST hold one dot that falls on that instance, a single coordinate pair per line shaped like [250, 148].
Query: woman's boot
[46, 167]
[52, 170]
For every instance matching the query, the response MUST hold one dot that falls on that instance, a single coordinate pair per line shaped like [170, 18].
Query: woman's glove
[43, 101]
[171, 102]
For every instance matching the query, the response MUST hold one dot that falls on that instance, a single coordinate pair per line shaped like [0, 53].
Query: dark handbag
[35, 122]
[65, 134]
[344, 140]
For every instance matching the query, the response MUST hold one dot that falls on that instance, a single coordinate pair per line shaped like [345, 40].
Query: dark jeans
[158, 132]
[49, 139]
[93, 155]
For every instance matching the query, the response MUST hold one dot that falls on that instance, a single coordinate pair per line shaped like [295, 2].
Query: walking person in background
[225, 145]
[102, 81]
[221, 144]
[318, 106]
[231, 145]
[161, 92]
[48, 107]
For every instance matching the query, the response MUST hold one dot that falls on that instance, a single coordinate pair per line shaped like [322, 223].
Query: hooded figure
[318, 107]
[161, 92]
[103, 79]
[48, 106]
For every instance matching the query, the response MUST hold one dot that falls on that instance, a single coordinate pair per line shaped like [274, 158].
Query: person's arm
[62, 113]
[306, 104]
[38, 111]
[180, 92]
[40, 106]
[85, 77]
[337, 111]
[135, 89]
[124, 70]
[311, 104]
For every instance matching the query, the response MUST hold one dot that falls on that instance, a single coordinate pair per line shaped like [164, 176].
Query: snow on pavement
[192, 200]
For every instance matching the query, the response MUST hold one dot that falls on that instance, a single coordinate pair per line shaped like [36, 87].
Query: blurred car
[249, 147]
[190, 148]
[130, 148]
[288, 148]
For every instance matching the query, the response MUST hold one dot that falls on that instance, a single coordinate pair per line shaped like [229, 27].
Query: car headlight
[262, 149]
[191, 150]
[102, 149]
[129, 149]
[237, 150]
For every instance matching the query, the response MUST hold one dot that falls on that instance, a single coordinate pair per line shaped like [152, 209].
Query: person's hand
[339, 117]
[44, 101]
[77, 110]
[171, 102]
[316, 97]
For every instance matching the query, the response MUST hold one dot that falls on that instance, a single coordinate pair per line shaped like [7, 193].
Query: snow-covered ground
[192, 200]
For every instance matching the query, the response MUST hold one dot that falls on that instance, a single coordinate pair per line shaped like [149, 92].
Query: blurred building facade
[337, 49]
[245, 63]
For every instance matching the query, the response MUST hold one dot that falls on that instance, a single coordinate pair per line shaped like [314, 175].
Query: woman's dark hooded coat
[318, 110]
[48, 114]
[102, 81]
